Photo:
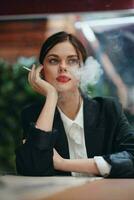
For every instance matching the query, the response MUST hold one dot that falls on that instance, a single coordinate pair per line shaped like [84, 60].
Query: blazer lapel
[93, 132]
[61, 143]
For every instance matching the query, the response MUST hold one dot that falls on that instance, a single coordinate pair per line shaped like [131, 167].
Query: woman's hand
[58, 161]
[40, 85]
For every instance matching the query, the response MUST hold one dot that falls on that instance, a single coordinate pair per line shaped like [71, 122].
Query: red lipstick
[63, 79]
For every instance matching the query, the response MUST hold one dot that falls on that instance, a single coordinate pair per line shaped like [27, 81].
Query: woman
[70, 134]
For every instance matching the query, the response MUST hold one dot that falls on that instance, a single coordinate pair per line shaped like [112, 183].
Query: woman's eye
[53, 61]
[73, 61]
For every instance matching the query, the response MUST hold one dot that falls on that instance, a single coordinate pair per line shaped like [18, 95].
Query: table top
[104, 189]
[64, 188]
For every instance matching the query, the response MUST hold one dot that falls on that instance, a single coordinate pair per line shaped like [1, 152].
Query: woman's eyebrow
[53, 55]
[57, 56]
[71, 56]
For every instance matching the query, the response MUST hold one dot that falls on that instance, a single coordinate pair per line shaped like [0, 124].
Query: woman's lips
[63, 79]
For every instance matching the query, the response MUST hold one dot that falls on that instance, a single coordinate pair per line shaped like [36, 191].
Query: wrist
[52, 98]
[52, 93]
[92, 167]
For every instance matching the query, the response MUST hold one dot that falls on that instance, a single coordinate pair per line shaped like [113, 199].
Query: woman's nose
[62, 67]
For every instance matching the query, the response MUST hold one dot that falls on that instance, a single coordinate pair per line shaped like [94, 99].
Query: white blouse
[76, 141]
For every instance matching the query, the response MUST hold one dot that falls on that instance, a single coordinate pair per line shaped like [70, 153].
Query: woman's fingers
[36, 81]
[34, 75]
[38, 84]
[31, 74]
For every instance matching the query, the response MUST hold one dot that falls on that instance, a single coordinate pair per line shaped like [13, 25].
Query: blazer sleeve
[35, 157]
[122, 160]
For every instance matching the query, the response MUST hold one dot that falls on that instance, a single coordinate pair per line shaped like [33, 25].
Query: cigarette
[26, 68]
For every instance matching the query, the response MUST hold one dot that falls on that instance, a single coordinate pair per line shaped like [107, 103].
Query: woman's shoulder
[109, 104]
[102, 100]
[106, 100]
[105, 104]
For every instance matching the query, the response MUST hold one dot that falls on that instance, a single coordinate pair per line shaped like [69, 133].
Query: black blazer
[107, 134]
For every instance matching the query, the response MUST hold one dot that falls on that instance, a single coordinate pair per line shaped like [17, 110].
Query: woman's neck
[70, 103]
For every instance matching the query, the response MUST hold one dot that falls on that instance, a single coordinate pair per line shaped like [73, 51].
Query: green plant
[15, 92]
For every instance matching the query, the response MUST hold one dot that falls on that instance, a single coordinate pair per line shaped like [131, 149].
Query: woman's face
[58, 64]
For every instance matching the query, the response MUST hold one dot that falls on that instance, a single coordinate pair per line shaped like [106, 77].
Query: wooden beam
[15, 7]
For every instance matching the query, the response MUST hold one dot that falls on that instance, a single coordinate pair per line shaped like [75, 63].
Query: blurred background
[105, 27]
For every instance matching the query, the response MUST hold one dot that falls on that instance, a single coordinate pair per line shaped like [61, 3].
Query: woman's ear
[42, 74]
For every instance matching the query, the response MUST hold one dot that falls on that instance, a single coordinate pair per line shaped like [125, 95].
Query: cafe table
[65, 188]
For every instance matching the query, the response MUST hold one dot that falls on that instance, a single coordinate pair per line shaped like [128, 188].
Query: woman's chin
[66, 87]
[67, 90]
[63, 90]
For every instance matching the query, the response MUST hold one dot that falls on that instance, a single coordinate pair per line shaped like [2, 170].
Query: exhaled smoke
[88, 74]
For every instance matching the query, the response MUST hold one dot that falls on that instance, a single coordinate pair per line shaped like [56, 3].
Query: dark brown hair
[58, 38]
